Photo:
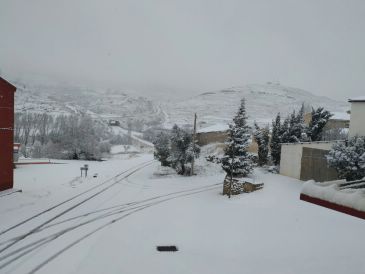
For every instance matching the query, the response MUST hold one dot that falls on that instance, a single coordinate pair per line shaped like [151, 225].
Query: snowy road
[113, 223]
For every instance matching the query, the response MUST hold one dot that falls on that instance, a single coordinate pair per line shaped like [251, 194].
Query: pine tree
[162, 148]
[276, 140]
[348, 159]
[294, 128]
[284, 131]
[236, 160]
[261, 136]
[320, 117]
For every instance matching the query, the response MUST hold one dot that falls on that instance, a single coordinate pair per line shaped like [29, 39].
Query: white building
[357, 121]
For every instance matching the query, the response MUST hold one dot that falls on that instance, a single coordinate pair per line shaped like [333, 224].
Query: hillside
[263, 101]
[102, 104]
[216, 107]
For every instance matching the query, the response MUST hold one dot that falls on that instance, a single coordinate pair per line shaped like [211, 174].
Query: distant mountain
[263, 102]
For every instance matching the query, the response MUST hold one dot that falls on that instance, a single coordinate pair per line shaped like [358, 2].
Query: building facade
[357, 122]
[6, 134]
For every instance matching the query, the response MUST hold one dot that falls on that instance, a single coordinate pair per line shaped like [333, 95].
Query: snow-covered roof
[357, 99]
[214, 128]
[340, 116]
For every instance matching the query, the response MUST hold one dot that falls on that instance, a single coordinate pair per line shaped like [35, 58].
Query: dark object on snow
[95, 175]
[239, 185]
[84, 168]
[167, 248]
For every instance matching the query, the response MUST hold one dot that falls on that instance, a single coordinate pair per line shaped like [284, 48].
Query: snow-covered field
[115, 221]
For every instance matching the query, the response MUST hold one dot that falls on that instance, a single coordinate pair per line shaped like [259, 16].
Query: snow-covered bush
[237, 161]
[182, 150]
[348, 158]
[176, 149]
[162, 148]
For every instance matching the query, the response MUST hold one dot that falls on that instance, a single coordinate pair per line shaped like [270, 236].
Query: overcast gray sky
[187, 45]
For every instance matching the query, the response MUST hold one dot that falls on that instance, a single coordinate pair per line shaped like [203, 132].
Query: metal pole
[194, 137]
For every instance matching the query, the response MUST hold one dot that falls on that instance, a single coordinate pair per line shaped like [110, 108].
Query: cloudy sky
[187, 46]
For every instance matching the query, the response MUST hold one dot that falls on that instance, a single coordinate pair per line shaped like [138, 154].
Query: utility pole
[194, 138]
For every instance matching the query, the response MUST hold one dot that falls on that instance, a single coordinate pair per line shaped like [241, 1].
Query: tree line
[61, 137]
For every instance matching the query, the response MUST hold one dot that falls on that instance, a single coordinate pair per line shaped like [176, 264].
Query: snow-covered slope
[216, 107]
[263, 101]
[104, 104]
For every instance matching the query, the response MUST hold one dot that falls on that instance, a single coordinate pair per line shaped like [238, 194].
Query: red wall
[6, 134]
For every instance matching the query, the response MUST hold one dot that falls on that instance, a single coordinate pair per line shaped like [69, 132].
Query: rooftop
[357, 99]
[340, 116]
[214, 128]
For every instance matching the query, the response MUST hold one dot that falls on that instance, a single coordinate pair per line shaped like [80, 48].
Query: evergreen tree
[294, 128]
[276, 140]
[261, 136]
[181, 152]
[320, 117]
[348, 159]
[284, 131]
[236, 160]
[162, 148]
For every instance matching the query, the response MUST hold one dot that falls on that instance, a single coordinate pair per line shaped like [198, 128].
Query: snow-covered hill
[212, 108]
[263, 102]
[104, 104]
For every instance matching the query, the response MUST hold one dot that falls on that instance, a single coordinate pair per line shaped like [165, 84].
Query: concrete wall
[291, 157]
[205, 138]
[290, 163]
[335, 123]
[314, 166]
[357, 122]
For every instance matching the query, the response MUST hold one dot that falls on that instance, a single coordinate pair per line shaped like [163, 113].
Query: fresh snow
[329, 191]
[214, 128]
[267, 231]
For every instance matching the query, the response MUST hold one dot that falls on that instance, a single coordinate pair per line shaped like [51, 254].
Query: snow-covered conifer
[237, 161]
[276, 140]
[261, 136]
[320, 117]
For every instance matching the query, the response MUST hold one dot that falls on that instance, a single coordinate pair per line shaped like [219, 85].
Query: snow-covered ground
[119, 218]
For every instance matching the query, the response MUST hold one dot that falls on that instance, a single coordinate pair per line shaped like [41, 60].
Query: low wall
[291, 157]
[205, 138]
[314, 166]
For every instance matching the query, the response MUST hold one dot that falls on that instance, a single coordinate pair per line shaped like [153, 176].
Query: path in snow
[117, 231]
